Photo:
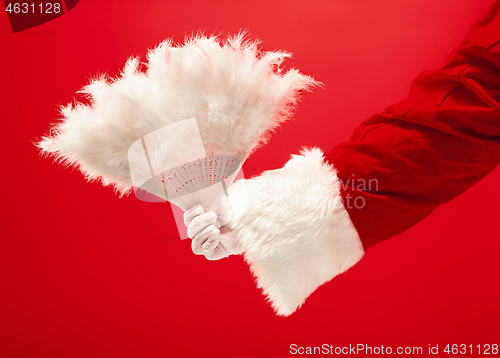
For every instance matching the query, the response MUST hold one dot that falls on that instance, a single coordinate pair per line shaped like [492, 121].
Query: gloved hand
[208, 240]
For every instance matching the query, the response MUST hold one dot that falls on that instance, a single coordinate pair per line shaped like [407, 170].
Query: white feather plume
[237, 94]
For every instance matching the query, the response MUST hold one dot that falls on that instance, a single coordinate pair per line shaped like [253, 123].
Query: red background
[86, 274]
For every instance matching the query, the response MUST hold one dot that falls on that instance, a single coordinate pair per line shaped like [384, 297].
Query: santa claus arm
[402, 164]
[303, 224]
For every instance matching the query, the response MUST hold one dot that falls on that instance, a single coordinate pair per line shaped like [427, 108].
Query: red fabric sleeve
[402, 164]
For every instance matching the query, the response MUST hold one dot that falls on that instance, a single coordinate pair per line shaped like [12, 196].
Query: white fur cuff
[294, 229]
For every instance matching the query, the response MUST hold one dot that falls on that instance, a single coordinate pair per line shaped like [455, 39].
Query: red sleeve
[402, 164]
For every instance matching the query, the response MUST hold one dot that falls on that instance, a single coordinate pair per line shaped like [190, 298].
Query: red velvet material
[403, 163]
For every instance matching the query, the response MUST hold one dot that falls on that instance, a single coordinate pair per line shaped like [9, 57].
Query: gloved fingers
[222, 215]
[211, 243]
[192, 213]
[220, 246]
[219, 252]
[214, 255]
[199, 223]
[199, 240]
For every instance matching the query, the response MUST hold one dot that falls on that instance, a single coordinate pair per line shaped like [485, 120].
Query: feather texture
[237, 94]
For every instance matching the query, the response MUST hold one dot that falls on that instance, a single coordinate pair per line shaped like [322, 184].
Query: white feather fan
[237, 95]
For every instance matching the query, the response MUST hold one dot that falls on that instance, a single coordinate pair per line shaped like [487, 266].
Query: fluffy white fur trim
[294, 229]
[237, 94]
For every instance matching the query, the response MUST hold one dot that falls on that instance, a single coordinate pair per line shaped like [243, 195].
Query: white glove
[208, 240]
